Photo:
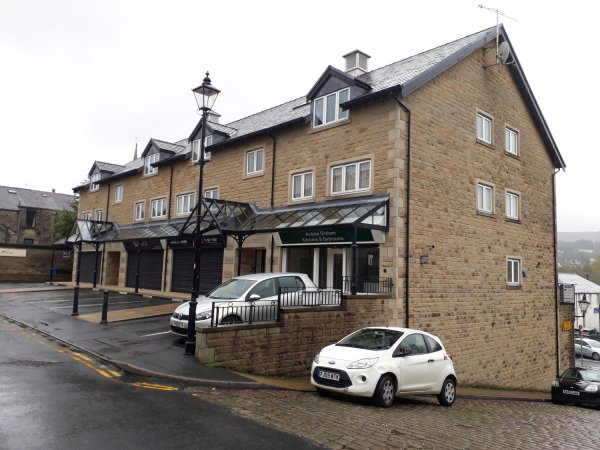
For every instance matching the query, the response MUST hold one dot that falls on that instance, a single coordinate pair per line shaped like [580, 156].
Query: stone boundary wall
[287, 348]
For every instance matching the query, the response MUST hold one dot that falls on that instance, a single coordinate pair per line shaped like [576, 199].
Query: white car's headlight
[363, 363]
[592, 388]
[204, 315]
[555, 383]
[317, 359]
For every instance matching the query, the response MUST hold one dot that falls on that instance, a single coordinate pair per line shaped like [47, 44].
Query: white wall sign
[568, 296]
[13, 252]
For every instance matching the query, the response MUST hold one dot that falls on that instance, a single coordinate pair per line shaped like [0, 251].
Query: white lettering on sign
[321, 236]
[13, 252]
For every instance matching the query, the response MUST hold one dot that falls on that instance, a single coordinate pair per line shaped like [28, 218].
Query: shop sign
[13, 252]
[568, 294]
[143, 245]
[566, 326]
[205, 241]
[66, 253]
[324, 237]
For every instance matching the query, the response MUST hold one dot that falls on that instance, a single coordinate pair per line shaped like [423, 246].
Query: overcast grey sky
[79, 80]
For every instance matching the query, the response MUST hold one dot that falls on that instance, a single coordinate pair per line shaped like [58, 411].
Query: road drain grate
[28, 363]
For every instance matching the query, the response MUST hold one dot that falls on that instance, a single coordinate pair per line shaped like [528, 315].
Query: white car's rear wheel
[596, 356]
[386, 392]
[448, 394]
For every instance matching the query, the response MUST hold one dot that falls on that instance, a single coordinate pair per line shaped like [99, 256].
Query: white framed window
[159, 208]
[185, 203]
[511, 138]
[327, 108]
[211, 193]
[302, 186]
[148, 169]
[484, 128]
[485, 198]
[140, 211]
[94, 185]
[208, 140]
[353, 177]
[512, 205]
[86, 216]
[99, 215]
[119, 193]
[513, 271]
[255, 162]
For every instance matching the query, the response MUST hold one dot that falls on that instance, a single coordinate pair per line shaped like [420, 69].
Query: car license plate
[183, 325]
[570, 392]
[329, 375]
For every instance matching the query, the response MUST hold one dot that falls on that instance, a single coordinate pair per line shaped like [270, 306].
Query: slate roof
[30, 198]
[168, 146]
[108, 167]
[582, 286]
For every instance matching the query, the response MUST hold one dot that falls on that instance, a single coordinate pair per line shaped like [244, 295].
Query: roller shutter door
[183, 269]
[87, 267]
[151, 269]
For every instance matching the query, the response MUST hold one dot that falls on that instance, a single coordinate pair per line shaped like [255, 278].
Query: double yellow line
[89, 362]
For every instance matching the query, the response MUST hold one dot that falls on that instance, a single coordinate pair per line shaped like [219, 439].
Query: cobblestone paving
[417, 422]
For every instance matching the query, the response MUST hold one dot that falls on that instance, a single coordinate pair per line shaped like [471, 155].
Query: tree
[64, 221]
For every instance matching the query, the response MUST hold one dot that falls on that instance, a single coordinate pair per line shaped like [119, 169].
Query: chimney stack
[356, 63]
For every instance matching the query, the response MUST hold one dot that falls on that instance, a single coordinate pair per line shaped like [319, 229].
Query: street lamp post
[206, 95]
[583, 307]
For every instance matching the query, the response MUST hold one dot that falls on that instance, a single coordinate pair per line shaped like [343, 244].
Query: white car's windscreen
[231, 290]
[371, 339]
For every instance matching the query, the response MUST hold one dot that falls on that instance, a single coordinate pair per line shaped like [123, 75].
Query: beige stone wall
[287, 348]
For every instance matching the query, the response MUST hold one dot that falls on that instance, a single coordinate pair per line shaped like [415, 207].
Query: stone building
[444, 157]
[26, 220]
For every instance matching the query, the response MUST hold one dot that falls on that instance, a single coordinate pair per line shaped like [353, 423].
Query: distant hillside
[572, 236]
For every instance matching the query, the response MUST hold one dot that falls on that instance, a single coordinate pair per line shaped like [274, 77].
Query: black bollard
[75, 301]
[104, 320]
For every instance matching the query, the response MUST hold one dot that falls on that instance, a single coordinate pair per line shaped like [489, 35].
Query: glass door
[336, 267]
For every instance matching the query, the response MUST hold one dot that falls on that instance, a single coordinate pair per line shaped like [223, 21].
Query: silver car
[233, 298]
[590, 348]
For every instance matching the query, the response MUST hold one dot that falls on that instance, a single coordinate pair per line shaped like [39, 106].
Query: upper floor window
[327, 108]
[484, 128]
[513, 271]
[94, 185]
[208, 140]
[510, 137]
[185, 203]
[211, 193]
[485, 198]
[148, 169]
[159, 208]
[119, 193]
[86, 216]
[302, 186]
[512, 205]
[140, 211]
[30, 218]
[99, 215]
[351, 177]
[255, 161]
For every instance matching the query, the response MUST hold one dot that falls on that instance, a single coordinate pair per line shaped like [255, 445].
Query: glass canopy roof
[88, 231]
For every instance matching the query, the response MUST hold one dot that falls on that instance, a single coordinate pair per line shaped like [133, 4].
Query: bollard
[103, 320]
[75, 301]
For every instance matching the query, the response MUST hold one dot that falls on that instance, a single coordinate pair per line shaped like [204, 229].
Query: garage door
[88, 260]
[151, 269]
[183, 269]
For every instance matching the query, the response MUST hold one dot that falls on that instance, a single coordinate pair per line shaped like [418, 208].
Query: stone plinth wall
[288, 347]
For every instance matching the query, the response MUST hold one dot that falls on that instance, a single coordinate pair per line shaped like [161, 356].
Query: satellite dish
[503, 52]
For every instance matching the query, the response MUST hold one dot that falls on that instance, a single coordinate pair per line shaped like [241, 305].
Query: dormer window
[148, 168]
[94, 179]
[208, 140]
[327, 108]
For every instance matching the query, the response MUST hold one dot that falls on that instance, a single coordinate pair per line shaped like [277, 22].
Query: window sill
[350, 195]
[117, 203]
[329, 126]
[508, 219]
[514, 287]
[485, 214]
[150, 175]
[487, 144]
[302, 201]
[512, 155]
[156, 219]
[254, 175]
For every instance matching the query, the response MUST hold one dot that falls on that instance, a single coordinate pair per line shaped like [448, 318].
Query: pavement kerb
[135, 370]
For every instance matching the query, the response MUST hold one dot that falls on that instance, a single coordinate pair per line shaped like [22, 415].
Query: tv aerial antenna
[502, 50]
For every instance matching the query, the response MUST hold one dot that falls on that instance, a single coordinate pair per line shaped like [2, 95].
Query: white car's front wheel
[385, 392]
[448, 394]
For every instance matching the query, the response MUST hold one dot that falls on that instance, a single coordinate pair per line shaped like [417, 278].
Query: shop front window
[300, 260]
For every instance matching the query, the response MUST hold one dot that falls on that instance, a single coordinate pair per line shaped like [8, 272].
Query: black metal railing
[295, 297]
[238, 312]
[368, 285]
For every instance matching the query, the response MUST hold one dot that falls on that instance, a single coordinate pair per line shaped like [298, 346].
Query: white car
[235, 295]
[381, 362]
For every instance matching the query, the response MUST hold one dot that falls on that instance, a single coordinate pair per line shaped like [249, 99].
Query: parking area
[414, 422]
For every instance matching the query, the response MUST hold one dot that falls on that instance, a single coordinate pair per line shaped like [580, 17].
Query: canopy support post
[137, 271]
[52, 266]
[96, 246]
[76, 288]
[353, 286]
